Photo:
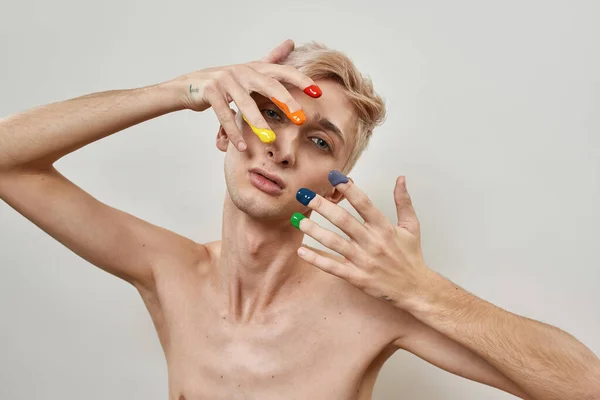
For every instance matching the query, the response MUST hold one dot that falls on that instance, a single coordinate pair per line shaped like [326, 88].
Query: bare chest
[314, 350]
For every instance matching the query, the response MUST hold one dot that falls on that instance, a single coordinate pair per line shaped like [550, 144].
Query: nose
[283, 150]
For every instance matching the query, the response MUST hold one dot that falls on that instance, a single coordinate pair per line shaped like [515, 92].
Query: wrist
[173, 94]
[428, 296]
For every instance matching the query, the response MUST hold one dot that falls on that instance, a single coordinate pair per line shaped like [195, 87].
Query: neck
[259, 267]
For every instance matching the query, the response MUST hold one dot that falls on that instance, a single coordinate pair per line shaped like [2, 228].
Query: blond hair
[317, 61]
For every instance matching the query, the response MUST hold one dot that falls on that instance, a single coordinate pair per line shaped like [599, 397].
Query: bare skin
[218, 346]
[244, 317]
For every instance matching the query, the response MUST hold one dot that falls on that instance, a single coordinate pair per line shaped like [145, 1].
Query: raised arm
[32, 141]
[121, 244]
[386, 262]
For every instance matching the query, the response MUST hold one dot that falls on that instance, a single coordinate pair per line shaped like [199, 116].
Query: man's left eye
[322, 144]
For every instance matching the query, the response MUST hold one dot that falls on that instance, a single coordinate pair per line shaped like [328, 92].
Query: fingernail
[242, 146]
[265, 135]
[336, 177]
[313, 91]
[296, 117]
[296, 218]
[305, 195]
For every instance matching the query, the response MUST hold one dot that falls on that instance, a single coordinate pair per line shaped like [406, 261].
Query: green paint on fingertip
[296, 218]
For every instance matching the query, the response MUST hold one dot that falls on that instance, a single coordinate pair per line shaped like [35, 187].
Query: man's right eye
[272, 114]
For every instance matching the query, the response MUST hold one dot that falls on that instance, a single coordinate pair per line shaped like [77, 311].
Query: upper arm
[113, 240]
[443, 352]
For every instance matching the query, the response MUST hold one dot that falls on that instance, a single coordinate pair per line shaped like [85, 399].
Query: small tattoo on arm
[386, 298]
[196, 90]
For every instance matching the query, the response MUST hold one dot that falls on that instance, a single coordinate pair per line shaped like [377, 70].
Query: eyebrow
[328, 126]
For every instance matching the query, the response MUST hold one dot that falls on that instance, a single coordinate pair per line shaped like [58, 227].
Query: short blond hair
[317, 61]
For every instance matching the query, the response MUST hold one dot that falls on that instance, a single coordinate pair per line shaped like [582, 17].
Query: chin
[258, 204]
[252, 205]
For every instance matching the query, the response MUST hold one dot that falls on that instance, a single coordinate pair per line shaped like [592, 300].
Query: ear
[337, 196]
[223, 138]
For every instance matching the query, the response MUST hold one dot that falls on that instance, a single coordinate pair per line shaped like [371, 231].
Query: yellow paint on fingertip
[265, 135]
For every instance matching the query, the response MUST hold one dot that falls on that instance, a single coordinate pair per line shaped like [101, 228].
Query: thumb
[280, 52]
[407, 218]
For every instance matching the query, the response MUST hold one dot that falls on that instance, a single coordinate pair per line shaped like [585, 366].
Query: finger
[407, 217]
[254, 81]
[280, 52]
[334, 213]
[327, 238]
[226, 117]
[291, 75]
[359, 199]
[249, 110]
[327, 264]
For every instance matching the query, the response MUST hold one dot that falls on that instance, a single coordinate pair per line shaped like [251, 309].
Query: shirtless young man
[247, 317]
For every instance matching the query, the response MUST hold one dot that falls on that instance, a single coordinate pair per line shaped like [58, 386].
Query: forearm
[546, 362]
[39, 137]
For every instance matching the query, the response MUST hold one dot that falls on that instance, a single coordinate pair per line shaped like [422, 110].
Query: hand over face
[217, 87]
[381, 258]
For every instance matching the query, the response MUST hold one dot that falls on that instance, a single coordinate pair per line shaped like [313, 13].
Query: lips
[272, 177]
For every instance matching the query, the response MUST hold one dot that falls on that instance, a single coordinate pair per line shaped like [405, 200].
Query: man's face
[301, 156]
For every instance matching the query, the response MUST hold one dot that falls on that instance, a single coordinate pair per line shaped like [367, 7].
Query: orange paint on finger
[297, 117]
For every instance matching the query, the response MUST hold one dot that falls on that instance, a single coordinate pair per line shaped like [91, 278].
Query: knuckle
[272, 85]
[224, 116]
[363, 201]
[211, 87]
[337, 242]
[222, 74]
[359, 281]
[370, 266]
[239, 70]
[290, 69]
[249, 108]
[343, 218]
[389, 230]
[316, 202]
[377, 249]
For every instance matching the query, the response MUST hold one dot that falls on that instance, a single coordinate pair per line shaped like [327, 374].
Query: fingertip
[242, 146]
[290, 42]
[313, 91]
[336, 177]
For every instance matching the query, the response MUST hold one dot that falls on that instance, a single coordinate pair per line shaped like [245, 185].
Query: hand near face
[217, 87]
[381, 258]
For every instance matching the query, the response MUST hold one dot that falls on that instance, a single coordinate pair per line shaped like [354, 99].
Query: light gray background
[493, 118]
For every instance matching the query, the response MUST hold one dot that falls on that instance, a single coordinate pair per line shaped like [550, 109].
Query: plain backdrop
[493, 117]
